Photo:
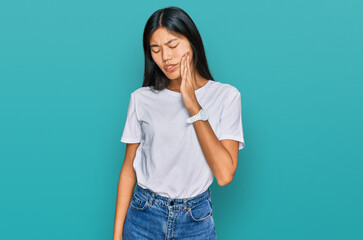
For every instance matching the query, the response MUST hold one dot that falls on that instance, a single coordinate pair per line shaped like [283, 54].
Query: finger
[182, 67]
[188, 61]
[191, 72]
[188, 68]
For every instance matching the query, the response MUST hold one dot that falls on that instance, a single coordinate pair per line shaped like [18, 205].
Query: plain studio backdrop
[67, 69]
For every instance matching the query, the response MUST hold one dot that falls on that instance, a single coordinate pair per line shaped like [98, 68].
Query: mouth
[170, 67]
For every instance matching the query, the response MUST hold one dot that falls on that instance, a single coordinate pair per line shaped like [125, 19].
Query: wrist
[194, 110]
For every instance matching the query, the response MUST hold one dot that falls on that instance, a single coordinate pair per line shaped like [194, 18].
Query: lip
[170, 69]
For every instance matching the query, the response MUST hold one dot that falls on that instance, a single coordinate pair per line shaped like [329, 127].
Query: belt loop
[185, 207]
[151, 198]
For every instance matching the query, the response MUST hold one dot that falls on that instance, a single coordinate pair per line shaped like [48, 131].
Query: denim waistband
[173, 202]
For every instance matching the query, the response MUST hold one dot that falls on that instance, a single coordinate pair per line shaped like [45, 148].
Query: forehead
[162, 36]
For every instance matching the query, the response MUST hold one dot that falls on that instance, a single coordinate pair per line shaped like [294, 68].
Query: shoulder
[225, 88]
[142, 92]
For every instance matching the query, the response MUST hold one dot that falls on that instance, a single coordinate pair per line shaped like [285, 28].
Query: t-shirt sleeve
[230, 126]
[132, 128]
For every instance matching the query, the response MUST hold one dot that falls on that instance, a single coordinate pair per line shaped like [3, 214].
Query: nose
[166, 54]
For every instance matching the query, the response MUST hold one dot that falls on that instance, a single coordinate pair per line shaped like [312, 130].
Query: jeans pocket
[138, 202]
[201, 212]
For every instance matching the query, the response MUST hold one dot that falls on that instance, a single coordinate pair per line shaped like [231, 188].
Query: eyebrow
[155, 45]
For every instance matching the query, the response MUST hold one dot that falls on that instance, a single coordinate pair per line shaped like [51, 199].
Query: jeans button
[172, 203]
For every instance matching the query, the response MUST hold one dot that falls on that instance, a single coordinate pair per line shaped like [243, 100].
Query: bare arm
[221, 155]
[125, 189]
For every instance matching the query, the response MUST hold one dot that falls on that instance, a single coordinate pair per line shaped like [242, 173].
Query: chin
[172, 77]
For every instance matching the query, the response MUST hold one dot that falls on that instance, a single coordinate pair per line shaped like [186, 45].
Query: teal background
[67, 69]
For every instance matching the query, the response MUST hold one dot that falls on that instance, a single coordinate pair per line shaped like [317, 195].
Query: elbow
[225, 181]
[226, 177]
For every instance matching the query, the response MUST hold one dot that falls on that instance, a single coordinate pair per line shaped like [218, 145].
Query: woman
[174, 129]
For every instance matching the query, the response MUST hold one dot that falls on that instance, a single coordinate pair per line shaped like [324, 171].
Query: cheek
[180, 53]
[157, 61]
[183, 51]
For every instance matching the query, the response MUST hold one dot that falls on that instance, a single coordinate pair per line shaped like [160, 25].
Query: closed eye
[170, 47]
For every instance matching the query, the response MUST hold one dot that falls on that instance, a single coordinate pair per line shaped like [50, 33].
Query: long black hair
[177, 22]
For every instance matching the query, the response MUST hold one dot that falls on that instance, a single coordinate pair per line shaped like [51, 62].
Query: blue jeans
[152, 216]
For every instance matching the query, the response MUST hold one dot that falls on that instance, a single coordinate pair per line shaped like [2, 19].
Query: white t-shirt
[169, 160]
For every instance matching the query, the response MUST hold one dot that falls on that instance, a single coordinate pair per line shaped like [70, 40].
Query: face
[167, 48]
